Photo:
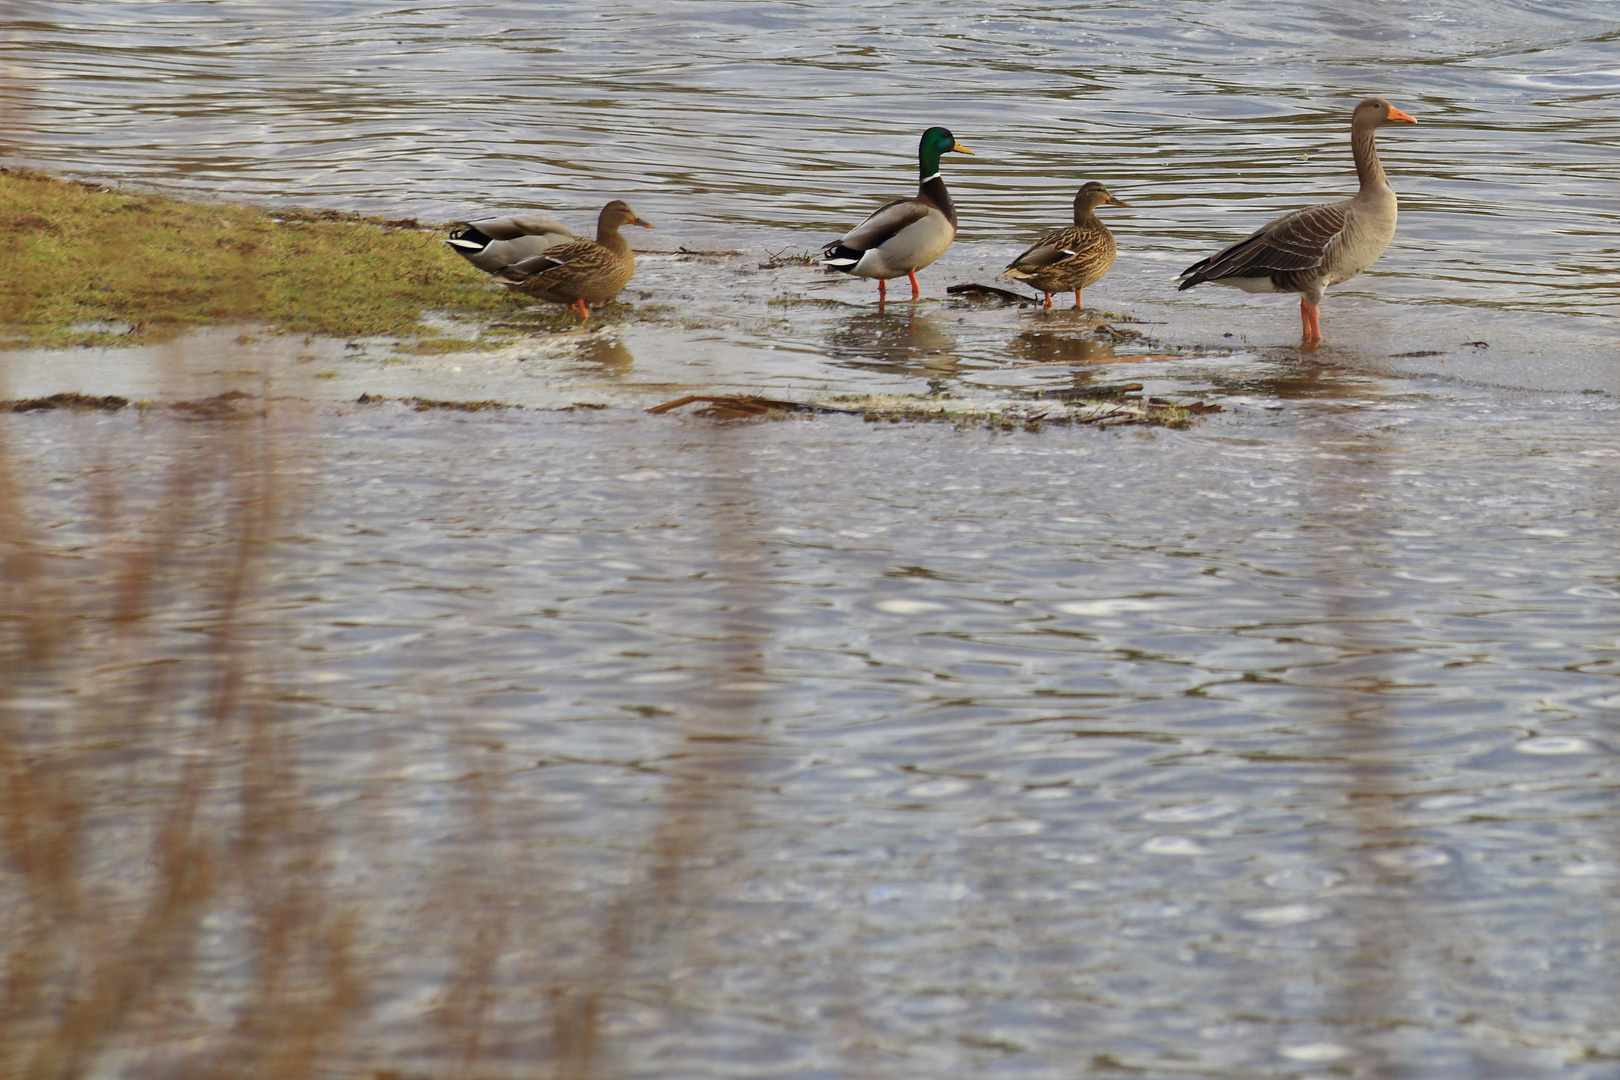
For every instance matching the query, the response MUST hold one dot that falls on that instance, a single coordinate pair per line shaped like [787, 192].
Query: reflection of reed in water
[161, 850]
[526, 931]
[172, 862]
[897, 341]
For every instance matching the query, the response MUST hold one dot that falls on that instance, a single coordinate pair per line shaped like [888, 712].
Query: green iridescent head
[936, 141]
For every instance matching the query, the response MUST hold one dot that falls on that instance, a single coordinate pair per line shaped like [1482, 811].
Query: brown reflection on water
[1296, 378]
[172, 862]
[1310, 380]
[540, 966]
[663, 922]
[1371, 975]
[608, 355]
[895, 338]
[155, 823]
[1049, 347]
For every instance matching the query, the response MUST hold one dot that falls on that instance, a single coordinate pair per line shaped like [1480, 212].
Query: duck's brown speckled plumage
[583, 272]
[1074, 257]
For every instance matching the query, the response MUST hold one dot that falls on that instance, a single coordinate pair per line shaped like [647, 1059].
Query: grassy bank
[83, 263]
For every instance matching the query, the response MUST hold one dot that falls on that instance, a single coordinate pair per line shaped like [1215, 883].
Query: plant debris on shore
[219, 407]
[1104, 407]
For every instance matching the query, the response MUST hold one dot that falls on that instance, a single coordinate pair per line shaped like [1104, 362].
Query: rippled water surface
[751, 120]
[1279, 746]
[1273, 746]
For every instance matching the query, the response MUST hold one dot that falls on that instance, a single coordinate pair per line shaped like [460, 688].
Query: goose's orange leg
[916, 290]
[883, 290]
[1310, 316]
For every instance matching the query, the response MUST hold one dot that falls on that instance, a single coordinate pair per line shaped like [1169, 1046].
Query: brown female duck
[583, 272]
[1311, 249]
[1074, 257]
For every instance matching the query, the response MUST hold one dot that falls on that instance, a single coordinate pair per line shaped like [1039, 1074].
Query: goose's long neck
[1368, 168]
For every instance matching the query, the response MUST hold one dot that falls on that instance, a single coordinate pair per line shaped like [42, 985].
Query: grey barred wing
[1299, 241]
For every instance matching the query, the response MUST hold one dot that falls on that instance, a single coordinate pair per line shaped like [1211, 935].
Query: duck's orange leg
[1048, 300]
[1077, 298]
[916, 290]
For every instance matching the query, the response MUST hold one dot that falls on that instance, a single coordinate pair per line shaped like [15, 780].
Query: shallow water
[1198, 752]
[773, 126]
[1281, 746]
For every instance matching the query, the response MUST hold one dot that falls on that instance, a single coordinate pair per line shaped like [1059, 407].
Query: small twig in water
[776, 259]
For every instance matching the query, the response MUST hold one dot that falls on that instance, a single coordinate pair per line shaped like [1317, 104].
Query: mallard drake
[1074, 257]
[903, 236]
[1311, 249]
[582, 272]
[492, 243]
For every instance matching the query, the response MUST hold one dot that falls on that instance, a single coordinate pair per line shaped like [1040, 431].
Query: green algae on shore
[89, 264]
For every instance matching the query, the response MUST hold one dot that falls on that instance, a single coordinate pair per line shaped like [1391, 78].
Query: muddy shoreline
[275, 274]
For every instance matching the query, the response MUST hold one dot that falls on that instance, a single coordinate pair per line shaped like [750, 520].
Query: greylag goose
[903, 236]
[492, 243]
[582, 272]
[1074, 257]
[1311, 249]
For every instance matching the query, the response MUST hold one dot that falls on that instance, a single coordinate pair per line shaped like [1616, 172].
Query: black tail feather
[839, 257]
[469, 238]
[1198, 272]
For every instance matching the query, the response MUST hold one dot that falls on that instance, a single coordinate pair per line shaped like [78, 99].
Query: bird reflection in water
[1043, 347]
[1037, 350]
[905, 342]
[1302, 380]
[607, 354]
